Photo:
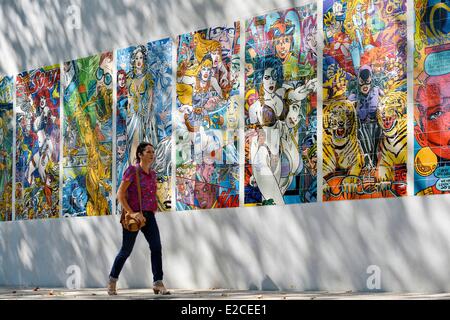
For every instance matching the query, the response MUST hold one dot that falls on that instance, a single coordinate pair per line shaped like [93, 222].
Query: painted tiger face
[391, 111]
[339, 122]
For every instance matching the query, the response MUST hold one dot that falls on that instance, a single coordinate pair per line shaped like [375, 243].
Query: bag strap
[138, 184]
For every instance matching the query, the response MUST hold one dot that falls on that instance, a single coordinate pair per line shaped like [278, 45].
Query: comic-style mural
[37, 143]
[364, 113]
[431, 97]
[207, 157]
[6, 146]
[280, 107]
[87, 133]
[144, 110]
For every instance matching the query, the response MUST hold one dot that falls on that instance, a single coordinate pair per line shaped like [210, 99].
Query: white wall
[310, 247]
[322, 246]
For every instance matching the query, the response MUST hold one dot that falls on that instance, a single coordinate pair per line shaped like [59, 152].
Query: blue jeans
[151, 233]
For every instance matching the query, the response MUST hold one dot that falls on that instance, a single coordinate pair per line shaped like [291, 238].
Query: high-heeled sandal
[159, 288]
[112, 288]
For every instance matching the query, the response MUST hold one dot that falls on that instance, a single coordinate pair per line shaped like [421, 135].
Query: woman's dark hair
[140, 149]
[266, 62]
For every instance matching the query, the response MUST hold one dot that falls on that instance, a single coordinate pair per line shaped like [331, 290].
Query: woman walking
[129, 199]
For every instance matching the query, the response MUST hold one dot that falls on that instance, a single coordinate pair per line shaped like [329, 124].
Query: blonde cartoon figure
[141, 120]
[219, 73]
[97, 169]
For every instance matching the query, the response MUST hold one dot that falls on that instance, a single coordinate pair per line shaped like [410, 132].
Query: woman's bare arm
[122, 195]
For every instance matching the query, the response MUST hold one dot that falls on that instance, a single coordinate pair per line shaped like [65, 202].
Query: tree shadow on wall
[313, 247]
[297, 247]
[70, 252]
[39, 33]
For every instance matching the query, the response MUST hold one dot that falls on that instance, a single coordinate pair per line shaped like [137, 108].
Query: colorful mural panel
[364, 113]
[6, 146]
[431, 97]
[87, 132]
[37, 143]
[144, 110]
[207, 157]
[280, 107]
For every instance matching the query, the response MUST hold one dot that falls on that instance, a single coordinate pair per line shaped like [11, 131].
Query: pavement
[206, 294]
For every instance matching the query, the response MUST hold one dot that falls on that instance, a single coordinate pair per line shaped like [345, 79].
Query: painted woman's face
[269, 82]
[205, 73]
[215, 58]
[139, 60]
[292, 117]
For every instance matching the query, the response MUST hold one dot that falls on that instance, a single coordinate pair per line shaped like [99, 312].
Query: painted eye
[435, 115]
[216, 31]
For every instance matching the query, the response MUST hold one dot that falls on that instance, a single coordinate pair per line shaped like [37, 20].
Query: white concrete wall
[322, 246]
